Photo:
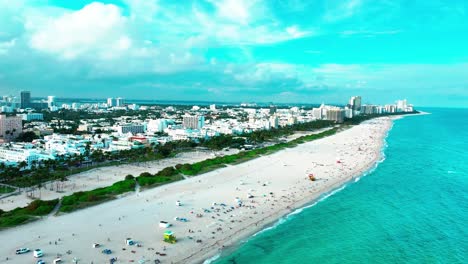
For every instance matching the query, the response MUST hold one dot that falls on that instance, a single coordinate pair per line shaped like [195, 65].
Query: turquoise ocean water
[413, 208]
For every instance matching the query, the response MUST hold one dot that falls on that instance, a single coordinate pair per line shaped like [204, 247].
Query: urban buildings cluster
[159, 126]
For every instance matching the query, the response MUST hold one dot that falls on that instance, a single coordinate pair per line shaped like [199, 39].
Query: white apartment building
[193, 122]
[157, 125]
[10, 127]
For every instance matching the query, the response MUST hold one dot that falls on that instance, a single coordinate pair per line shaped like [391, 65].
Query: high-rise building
[401, 105]
[119, 102]
[273, 109]
[50, 101]
[390, 108]
[10, 127]
[157, 125]
[193, 122]
[336, 114]
[369, 109]
[274, 121]
[25, 99]
[111, 102]
[317, 113]
[355, 103]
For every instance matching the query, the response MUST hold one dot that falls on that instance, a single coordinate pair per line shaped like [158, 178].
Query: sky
[283, 51]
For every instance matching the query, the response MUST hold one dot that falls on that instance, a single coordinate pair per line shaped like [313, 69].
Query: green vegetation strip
[85, 199]
[6, 189]
[26, 214]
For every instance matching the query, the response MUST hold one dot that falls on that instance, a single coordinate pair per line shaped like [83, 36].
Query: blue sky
[237, 50]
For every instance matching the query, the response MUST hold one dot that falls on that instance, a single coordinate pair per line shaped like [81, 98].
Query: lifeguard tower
[169, 237]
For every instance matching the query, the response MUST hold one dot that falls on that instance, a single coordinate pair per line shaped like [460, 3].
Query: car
[22, 251]
[38, 253]
[107, 251]
[40, 262]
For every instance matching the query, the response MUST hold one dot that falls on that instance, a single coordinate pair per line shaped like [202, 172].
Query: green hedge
[29, 213]
[166, 175]
[85, 199]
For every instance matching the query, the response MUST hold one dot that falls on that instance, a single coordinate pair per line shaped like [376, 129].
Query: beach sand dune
[221, 206]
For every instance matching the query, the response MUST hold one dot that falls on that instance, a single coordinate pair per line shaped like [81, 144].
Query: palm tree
[33, 164]
[39, 186]
[23, 164]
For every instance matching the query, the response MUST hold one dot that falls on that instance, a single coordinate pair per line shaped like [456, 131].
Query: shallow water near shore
[411, 209]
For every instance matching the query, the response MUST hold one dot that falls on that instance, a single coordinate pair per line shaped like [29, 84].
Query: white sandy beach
[106, 176]
[278, 184]
[102, 177]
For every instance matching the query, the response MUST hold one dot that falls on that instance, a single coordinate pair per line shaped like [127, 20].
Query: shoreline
[275, 219]
[285, 190]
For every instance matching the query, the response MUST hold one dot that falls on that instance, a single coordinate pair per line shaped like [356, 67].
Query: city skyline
[234, 51]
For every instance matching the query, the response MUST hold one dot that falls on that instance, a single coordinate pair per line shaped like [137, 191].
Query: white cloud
[370, 32]
[234, 10]
[6, 45]
[96, 30]
[344, 10]
[143, 9]
[295, 32]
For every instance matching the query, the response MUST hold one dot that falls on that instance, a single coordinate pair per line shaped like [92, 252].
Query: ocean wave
[300, 210]
[279, 222]
[210, 260]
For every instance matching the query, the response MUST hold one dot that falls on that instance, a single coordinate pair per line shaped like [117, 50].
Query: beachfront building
[317, 113]
[13, 155]
[390, 108]
[355, 103]
[369, 109]
[349, 113]
[401, 105]
[336, 114]
[10, 127]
